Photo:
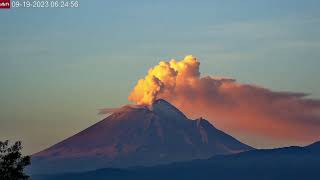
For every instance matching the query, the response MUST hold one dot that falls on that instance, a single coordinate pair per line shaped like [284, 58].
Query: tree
[12, 162]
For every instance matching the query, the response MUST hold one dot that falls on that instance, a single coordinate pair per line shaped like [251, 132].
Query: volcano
[136, 135]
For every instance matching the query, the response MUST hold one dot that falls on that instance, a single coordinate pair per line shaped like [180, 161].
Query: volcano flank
[137, 135]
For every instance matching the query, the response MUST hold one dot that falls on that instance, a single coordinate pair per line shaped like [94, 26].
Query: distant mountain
[137, 136]
[314, 148]
[294, 163]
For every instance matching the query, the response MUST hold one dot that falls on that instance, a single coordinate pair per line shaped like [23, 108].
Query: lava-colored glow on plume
[243, 110]
[163, 79]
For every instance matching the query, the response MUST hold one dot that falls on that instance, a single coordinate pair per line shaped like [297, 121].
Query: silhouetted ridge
[315, 147]
[294, 163]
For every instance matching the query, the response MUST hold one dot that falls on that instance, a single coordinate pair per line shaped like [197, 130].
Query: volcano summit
[137, 135]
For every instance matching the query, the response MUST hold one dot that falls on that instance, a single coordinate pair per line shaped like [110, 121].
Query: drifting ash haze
[243, 110]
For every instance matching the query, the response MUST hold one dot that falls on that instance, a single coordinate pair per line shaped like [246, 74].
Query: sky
[58, 67]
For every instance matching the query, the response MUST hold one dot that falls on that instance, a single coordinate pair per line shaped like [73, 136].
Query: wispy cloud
[270, 33]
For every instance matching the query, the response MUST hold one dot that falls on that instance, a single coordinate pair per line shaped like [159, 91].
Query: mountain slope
[137, 135]
[292, 163]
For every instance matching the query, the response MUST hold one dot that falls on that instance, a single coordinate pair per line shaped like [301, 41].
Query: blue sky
[58, 66]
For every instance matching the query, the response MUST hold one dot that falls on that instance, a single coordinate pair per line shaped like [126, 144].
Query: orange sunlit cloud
[240, 109]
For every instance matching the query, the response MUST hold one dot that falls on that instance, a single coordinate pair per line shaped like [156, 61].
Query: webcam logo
[5, 4]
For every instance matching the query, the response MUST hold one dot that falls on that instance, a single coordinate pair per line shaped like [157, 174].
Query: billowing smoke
[249, 112]
[165, 78]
